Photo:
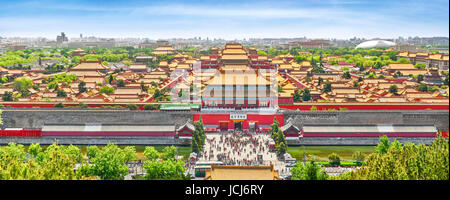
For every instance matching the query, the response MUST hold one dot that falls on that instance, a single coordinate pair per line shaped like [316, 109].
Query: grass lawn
[320, 153]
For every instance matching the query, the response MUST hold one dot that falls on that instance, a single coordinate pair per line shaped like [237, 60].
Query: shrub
[106, 90]
[313, 108]
[334, 159]
[59, 105]
[358, 157]
[132, 107]
[151, 107]
[82, 105]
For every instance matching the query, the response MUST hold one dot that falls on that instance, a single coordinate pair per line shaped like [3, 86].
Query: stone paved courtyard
[241, 149]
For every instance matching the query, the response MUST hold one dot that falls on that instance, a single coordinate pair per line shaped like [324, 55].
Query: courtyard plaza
[241, 149]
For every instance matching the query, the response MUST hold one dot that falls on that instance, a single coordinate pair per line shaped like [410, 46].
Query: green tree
[297, 97]
[198, 137]
[393, 89]
[169, 152]
[420, 66]
[165, 170]
[120, 83]
[308, 171]
[22, 85]
[408, 162]
[334, 159]
[320, 80]
[61, 93]
[383, 145]
[59, 105]
[151, 153]
[106, 90]
[132, 106]
[403, 60]
[92, 151]
[396, 145]
[306, 94]
[420, 78]
[108, 164]
[358, 157]
[34, 149]
[346, 75]
[327, 87]
[7, 96]
[422, 87]
[130, 153]
[82, 87]
[372, 75]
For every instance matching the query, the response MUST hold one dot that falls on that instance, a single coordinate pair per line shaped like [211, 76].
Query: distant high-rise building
[61, 38]
[81, 35]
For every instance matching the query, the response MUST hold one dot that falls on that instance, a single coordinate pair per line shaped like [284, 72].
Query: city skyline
[227, 20]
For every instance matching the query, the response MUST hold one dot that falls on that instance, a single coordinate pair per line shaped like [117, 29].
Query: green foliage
[82, 87]
[334, 159]
[61, 93]
[408, 162]
[420, 78]
[346, 75]
[151, 107]
[7, 96]
[345, 69]
[22, 85]
[120, 83]
[422, 87]
[198, 137]
[109, 163]
[320, 80]
[372, 75]
[106, 90]
[358, 157]
[278, 137]
[297, 97]
[393, 89]
[151, 153]
[165, 170]
[313, 108]
[383, 145]
[326, 87]
[420, 66]
[55, 163]
[306, 95]
[130, 153]
[308, 171]
[403, 60]
[132, 107]
[59, 105]
[169, 152]
[92, 151]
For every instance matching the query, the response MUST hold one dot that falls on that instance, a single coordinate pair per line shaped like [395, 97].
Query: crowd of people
[238, 148]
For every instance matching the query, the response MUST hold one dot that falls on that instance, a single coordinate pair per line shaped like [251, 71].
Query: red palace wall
[372, 106]
[21, 133]
[284, 104]
[260, 119]
[329, 134]
[119, 134]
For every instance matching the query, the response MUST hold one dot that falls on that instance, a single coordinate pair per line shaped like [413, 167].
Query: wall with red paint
[373, 106]
[262, 119]
[118, 134]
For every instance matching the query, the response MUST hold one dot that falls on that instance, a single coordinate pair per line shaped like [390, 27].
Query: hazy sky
[230, 19]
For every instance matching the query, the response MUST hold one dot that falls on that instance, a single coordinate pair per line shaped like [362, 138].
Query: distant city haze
[229, 19]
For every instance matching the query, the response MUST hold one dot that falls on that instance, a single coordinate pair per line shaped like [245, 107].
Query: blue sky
[229, 19]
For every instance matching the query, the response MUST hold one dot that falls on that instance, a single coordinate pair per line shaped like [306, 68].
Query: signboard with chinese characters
[238, 116]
